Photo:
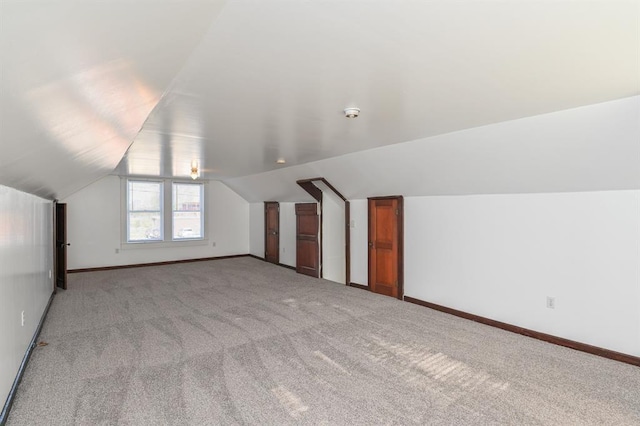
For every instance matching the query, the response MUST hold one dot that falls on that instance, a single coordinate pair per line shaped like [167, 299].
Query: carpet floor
[240, 341]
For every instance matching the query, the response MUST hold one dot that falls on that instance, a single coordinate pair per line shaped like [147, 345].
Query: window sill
[163, 244]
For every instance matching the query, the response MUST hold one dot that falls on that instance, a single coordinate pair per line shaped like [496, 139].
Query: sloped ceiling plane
[144, 88]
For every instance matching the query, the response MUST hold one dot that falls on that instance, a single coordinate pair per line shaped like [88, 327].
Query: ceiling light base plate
[351, 112]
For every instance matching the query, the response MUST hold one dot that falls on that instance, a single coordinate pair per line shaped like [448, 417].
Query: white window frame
[201, 210]
[128, 216]
[167, 216]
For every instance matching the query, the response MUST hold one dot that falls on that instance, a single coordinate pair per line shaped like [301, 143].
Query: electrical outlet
[213, 244]
[551, 302]
[22, 318]
[283, 249]
[353, 223]
[117, 251]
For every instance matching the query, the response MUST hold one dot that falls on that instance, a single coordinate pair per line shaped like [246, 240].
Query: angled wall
[359, 242]
[333, 237]
[288, 234]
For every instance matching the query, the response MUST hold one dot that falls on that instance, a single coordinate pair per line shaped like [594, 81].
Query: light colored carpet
[240, 341]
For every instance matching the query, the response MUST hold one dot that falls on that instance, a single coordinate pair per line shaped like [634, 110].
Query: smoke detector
[351, 112]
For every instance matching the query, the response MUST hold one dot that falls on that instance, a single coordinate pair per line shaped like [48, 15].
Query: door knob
[371, 244]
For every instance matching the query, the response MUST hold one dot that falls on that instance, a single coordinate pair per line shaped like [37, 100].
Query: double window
[147, 201]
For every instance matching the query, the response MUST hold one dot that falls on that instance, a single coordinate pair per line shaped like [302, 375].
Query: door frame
[54, 247]
[309, 186]
[400, 230]
[266, 229]
[60, 247]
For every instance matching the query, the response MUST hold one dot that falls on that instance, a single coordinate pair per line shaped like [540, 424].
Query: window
[144, 211]
[146, 203]
[187, 211]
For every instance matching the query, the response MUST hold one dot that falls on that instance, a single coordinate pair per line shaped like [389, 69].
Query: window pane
[186, 197]
[144, 215]
[145, 196]
[187, 225]
[187, 211]
[145, 226]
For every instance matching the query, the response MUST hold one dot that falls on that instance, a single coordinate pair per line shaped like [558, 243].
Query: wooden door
[307, 239]
[272, 232]
[60, 229]
[386, 246]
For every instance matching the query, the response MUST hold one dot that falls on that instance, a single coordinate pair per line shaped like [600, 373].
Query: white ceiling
[589, 148]
[238, 84]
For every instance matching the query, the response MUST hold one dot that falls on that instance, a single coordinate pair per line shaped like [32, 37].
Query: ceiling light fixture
[351, 112]
[280, 161]
[195, 173]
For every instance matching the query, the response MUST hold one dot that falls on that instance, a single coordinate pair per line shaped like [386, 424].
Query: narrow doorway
[60, 238]
[307, 239]
[335, 250]
[386, 246]
[272, 232]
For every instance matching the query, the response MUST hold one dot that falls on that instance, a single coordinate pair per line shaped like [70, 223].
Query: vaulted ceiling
[144, 88]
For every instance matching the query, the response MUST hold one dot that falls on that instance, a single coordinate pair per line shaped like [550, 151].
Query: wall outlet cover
[551, 302]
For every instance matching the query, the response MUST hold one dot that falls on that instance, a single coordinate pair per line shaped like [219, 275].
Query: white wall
[359, 242]
[94, 228]
[288, 234]
[500, 256]
[334, 250]
[256, 229]
[333, 237]
[26, 246]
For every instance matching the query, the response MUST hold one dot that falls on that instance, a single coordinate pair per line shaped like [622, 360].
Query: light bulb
[194, 170]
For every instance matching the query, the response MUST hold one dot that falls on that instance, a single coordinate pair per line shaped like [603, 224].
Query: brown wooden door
[307, 242]
[60, 229]
[386, 246]
[272, 232]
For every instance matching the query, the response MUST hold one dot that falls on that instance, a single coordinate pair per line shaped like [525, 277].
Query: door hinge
[397, 212]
